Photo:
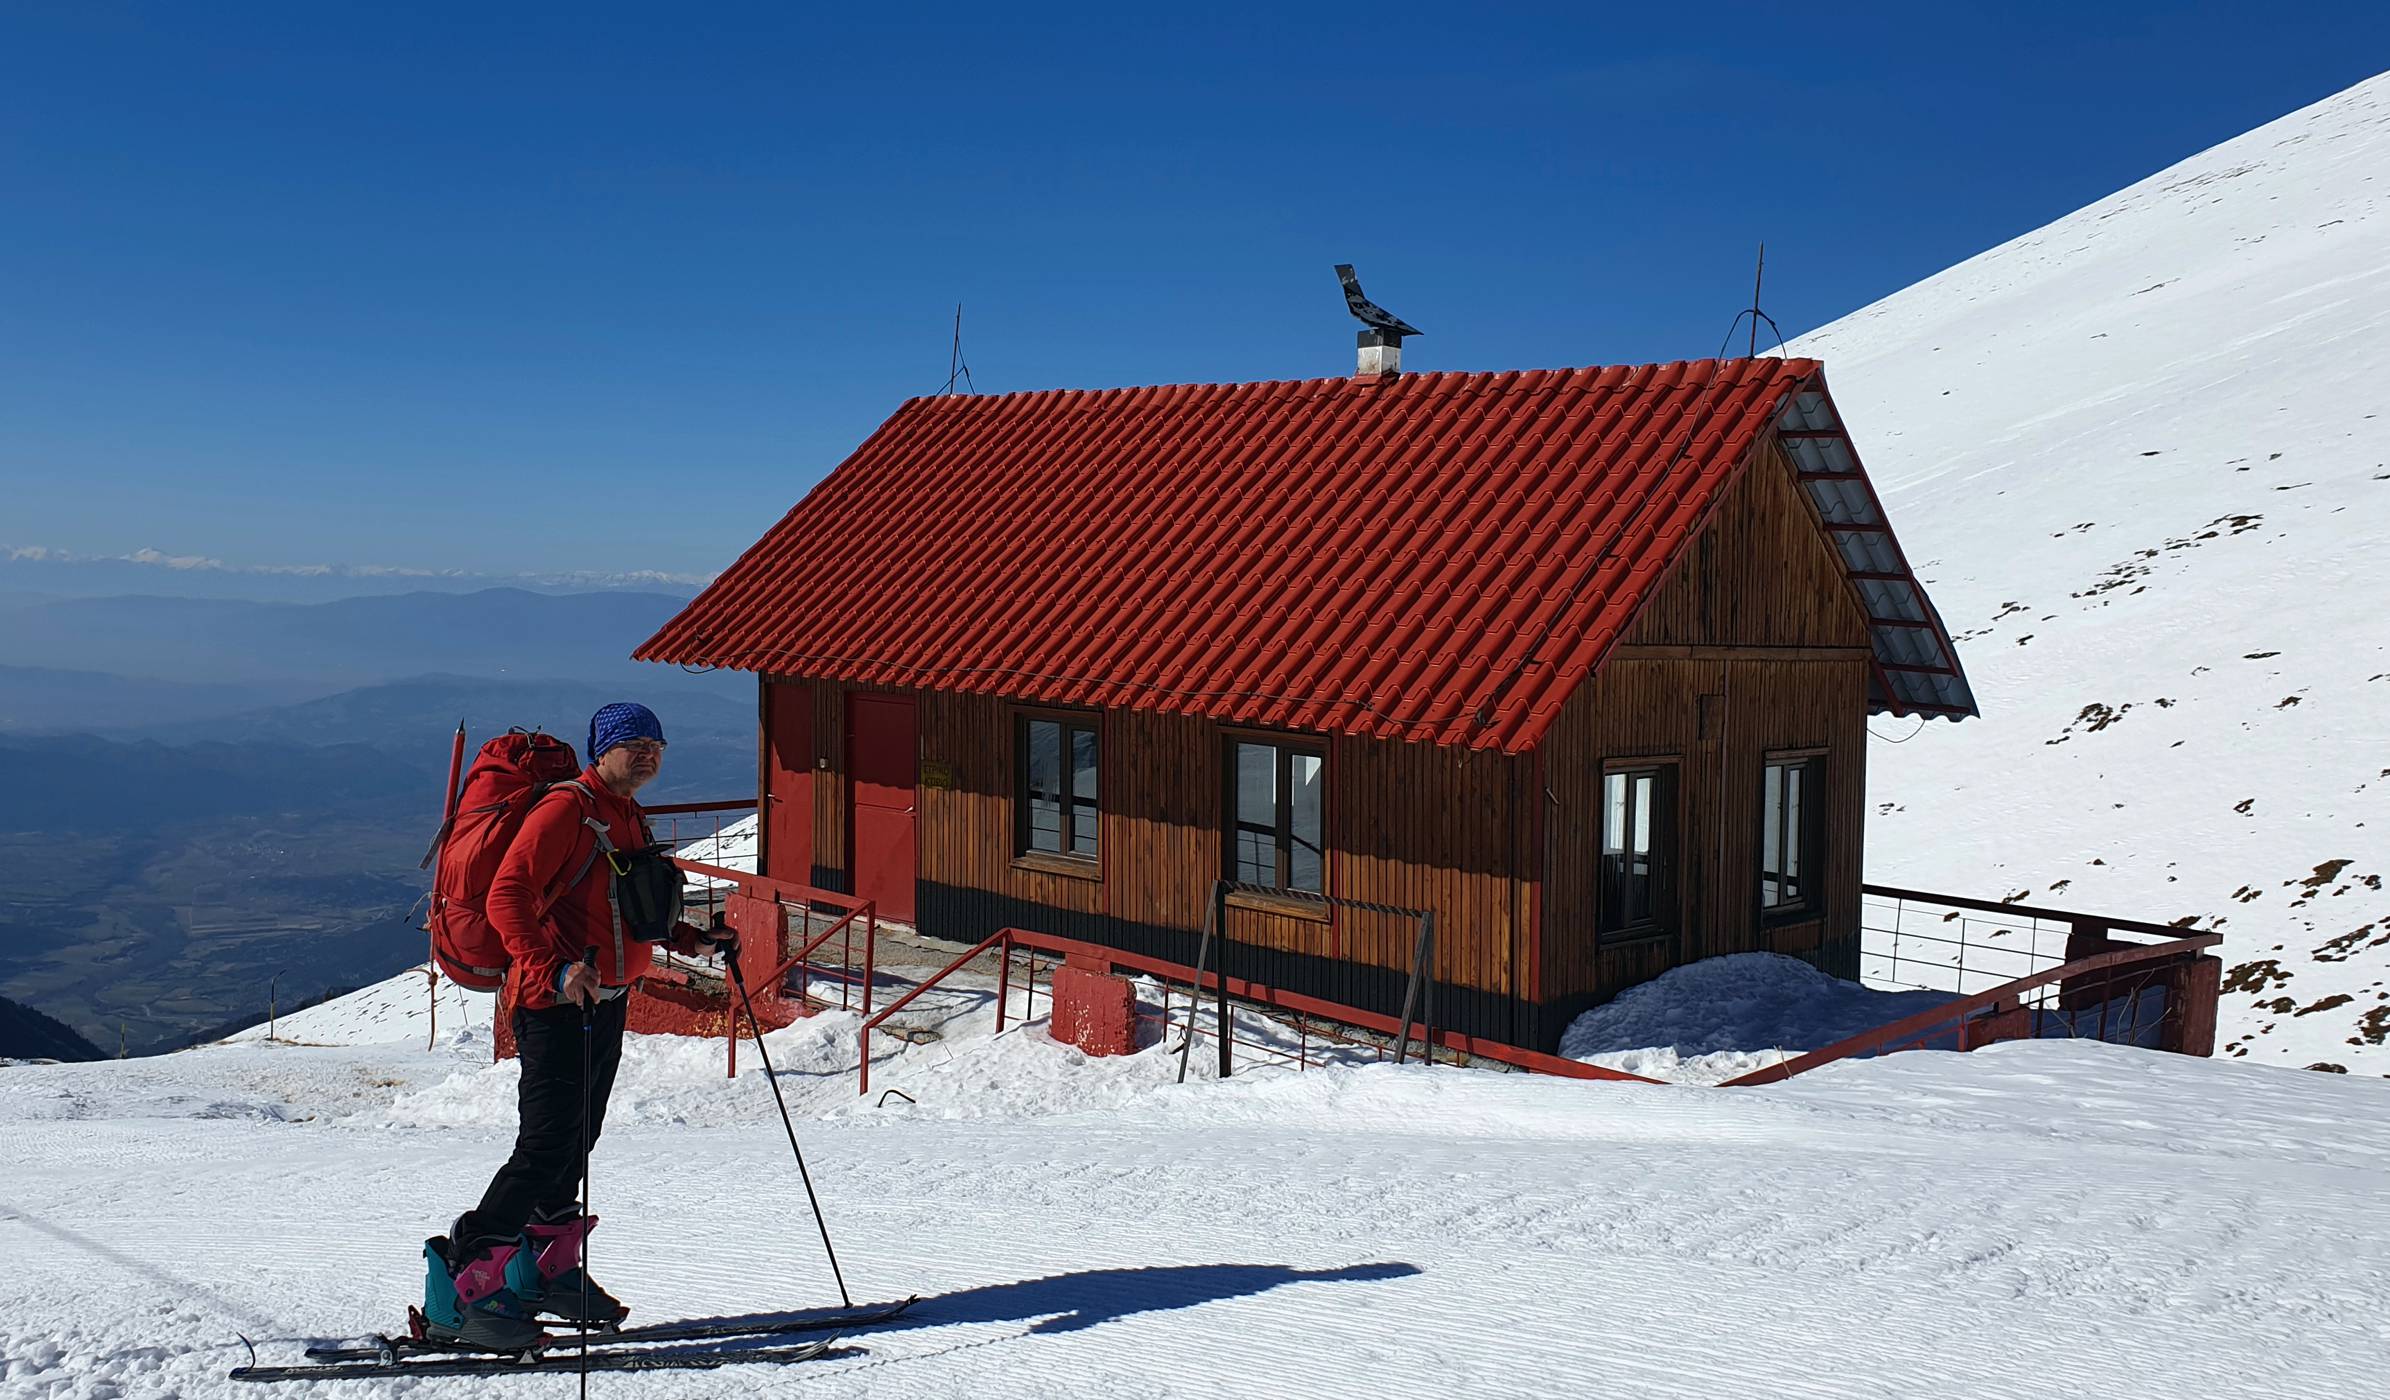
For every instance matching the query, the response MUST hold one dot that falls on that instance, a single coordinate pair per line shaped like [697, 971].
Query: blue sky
[501, 287]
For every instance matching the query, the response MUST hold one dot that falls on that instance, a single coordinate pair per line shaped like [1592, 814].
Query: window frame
[1084, 864]
[1811, 835]
[1667, 833]
[1280, 897]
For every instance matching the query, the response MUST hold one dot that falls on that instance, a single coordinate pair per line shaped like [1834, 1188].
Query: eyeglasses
[650, 748]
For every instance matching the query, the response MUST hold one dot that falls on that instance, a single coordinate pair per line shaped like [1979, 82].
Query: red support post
[871, 946]
[1004, 983]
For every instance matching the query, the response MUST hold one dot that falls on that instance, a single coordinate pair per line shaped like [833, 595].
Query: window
[1055, 811]
[1792, 809]
[1278, 839]
[1638, 893]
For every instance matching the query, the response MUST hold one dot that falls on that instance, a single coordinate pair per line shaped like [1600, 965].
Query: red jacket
[554, 843]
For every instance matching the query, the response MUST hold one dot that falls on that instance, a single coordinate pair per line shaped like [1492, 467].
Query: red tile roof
[1438, 557]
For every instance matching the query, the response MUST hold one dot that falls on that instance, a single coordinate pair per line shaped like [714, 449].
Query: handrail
[783, 889]
[780, 892]
[730, 1030]
[1957, 1010]
[818, 940]
[1992, 906]
[1275, 999]
[1003, 989]
[674, 809]
[1961, 1008]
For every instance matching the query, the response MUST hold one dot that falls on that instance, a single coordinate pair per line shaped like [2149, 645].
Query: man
[517, 1254]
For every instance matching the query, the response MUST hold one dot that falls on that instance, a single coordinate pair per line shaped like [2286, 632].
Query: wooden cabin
[1580, 661]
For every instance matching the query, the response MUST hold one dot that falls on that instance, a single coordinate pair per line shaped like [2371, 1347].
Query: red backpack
[509, 776]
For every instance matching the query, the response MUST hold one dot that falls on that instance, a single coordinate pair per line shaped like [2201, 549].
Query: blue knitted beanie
[619, 723]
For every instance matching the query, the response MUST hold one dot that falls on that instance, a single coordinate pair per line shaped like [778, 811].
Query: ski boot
[546, 1274]
[471, 1305]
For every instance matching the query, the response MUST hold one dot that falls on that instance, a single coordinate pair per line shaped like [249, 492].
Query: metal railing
[843, 917]
[2153, 987]
[1911, 940]
[2011, 971]
[1255, 998]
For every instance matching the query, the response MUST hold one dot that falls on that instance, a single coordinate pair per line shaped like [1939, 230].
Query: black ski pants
[542, 1180]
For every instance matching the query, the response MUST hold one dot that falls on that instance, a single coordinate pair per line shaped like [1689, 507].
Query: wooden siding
[1418, 826]
[1765, 653]
[1759, 574]
[1161, 819]
[967, 829]
[1777, 706]
[829, 788]
[1406, 825]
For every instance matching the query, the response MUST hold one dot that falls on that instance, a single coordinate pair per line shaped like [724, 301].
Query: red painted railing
[2095, 972]
[1003, 991]
[1251, 993]
[782, 895]
[2005, 1013]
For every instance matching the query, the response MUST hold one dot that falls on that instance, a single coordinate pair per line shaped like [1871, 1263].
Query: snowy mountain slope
[1928, 1223]
[398, 1010]
[2141, 457]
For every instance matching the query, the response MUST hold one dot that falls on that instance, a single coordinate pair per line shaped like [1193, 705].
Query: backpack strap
[605, 838]
[604, 847]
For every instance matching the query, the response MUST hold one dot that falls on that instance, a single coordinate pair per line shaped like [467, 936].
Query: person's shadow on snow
[1074, 1302]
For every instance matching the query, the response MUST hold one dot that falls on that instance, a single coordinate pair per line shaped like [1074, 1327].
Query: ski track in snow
[2141, 457]
[2030, 1220]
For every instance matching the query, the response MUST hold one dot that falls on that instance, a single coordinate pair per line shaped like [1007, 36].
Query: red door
[788, 823]
[883, 751]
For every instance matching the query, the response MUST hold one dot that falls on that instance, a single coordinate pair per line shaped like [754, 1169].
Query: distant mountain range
[41, 571]
[375, 750]
[79, 783]
[306, 649]
[711, 737]
[26, 1034]
[39, 699]
[208, 798]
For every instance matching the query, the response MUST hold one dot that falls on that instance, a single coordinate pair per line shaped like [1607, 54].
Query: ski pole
[588, 1008]
[738, 979]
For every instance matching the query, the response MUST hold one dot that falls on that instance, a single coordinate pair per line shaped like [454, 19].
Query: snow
[400, 1009]
[1716, 1020]
[1710, 1021]
[733, 847]
[2141, 457]
[2032, 1219]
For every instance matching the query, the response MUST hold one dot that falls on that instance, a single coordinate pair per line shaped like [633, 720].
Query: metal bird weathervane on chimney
[1381, 342]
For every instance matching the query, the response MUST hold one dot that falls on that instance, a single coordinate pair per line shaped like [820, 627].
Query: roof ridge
[1522, 380]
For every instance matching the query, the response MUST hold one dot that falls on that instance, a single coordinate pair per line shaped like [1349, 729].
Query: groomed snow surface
[2031, 1220]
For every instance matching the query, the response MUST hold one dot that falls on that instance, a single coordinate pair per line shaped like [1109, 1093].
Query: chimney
[1381, 352]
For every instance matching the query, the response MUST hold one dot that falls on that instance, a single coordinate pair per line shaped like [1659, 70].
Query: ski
[385, 1349]
[551, 1360]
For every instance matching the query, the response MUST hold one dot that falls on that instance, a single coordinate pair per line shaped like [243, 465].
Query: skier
[580, 875]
